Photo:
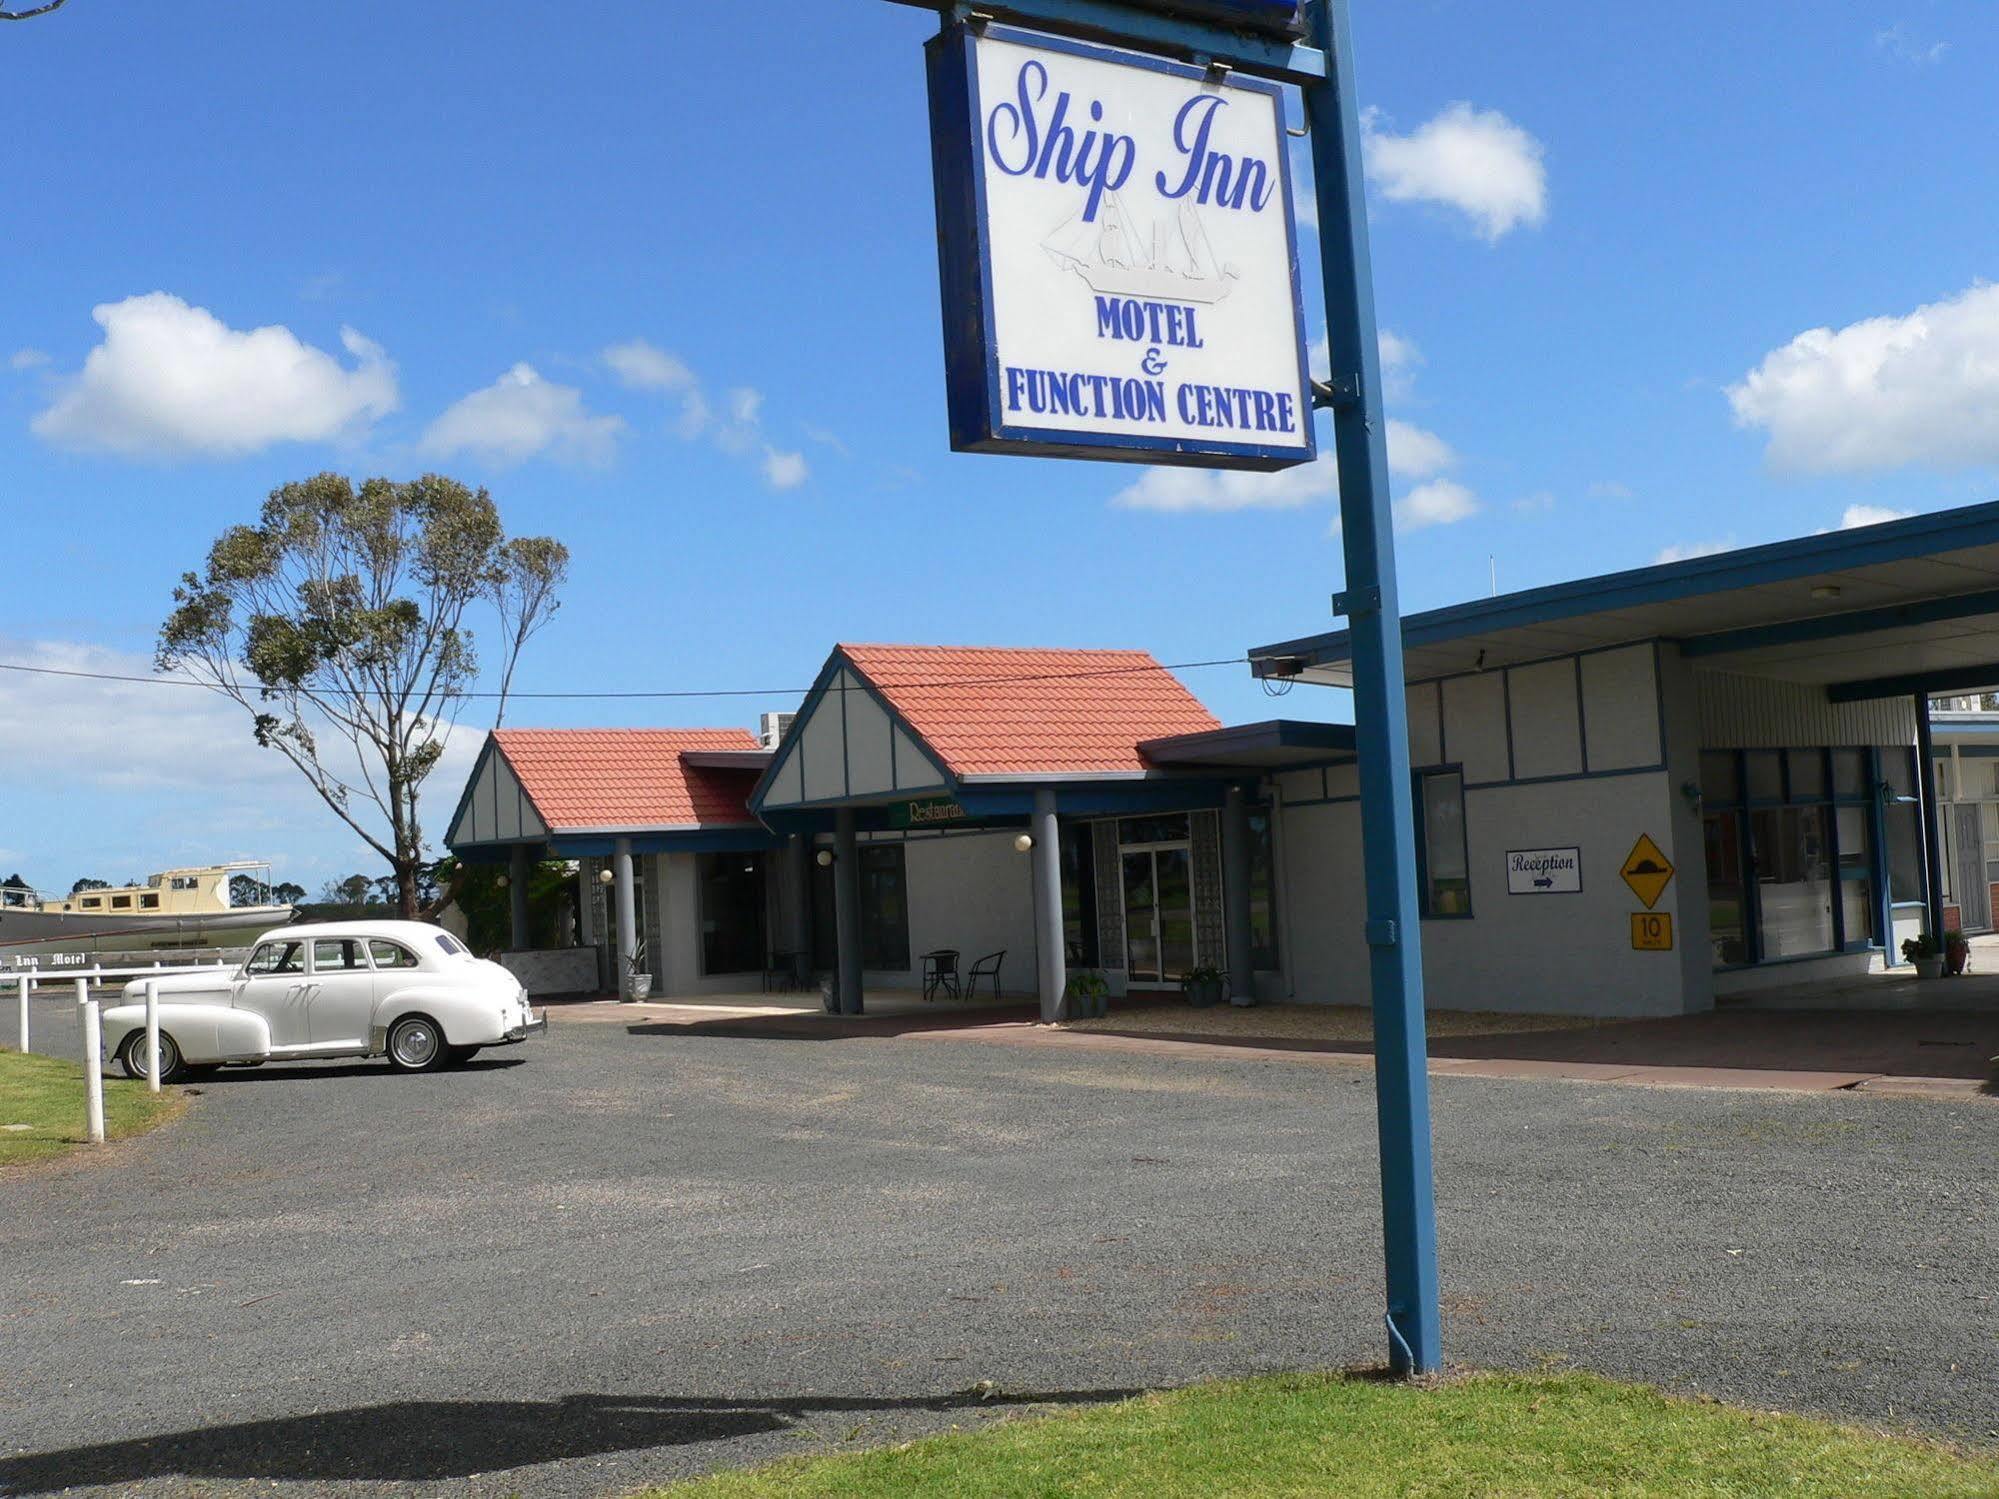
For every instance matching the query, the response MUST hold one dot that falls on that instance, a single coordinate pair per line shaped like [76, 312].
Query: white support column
[152, 1035]
[93, 1071]
[1051, 956]
[628, 917]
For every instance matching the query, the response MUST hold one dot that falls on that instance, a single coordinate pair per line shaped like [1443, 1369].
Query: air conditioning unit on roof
[771, 727]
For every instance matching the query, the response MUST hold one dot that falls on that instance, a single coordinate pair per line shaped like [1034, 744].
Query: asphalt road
[608, 1258]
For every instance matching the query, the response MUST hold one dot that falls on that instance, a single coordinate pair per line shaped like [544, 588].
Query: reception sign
[1118, 253]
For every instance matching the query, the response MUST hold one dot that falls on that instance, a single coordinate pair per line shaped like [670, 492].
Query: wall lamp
[1023, 843]
[503, 882]
[605, 876]
[825, 858]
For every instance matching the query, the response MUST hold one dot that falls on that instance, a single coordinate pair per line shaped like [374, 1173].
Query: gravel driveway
[606, 1259]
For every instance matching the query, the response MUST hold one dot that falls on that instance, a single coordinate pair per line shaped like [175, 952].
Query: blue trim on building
[1778, 562]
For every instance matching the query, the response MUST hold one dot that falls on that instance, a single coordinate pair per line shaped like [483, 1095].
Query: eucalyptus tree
[341, 622]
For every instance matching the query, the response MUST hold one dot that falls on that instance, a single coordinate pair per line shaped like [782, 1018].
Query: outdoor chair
[940, 972]
[987, 967]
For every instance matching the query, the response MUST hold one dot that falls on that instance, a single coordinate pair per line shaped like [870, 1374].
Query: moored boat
[174, 910]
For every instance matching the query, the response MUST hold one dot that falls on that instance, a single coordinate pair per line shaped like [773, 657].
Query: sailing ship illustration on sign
[1174, 263]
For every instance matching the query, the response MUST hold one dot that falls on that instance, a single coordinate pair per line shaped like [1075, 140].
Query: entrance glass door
[1974, 895]
[1158, 914]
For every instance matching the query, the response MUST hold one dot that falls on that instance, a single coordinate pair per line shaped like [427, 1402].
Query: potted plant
[1956, 952]
[1088, 996]
[638, 979]
[1205, 986]
[1923, 952]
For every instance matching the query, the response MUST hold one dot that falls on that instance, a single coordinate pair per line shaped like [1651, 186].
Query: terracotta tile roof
[988, 711]
[615, 778]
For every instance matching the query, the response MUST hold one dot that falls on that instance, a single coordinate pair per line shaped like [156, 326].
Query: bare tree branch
[29, 15]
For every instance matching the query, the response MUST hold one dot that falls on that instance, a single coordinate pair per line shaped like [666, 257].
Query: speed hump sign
[1652, 931]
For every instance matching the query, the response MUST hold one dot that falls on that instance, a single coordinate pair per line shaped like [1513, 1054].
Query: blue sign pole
[1381, 715]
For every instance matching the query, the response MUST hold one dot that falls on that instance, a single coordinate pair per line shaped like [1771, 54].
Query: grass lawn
[46, 1094]
[1298, 1435]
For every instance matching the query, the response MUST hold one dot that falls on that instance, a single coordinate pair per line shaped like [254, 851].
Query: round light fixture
[1023, 843]
[504, 882]
[1827, 591]
[825, 857]
[605, 877]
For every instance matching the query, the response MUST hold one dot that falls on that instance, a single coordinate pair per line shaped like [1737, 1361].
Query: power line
[719, 692]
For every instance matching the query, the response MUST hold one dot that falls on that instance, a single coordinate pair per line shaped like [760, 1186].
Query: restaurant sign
[925, 811]
[1118, 255]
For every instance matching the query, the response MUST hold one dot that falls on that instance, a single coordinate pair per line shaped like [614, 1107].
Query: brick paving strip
[1940, 1054]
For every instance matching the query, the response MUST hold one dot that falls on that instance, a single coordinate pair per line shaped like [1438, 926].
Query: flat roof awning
[1275, 744]
[1877, 611]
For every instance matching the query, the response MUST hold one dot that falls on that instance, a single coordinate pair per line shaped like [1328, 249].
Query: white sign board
[1119, 256]
[1544, 871]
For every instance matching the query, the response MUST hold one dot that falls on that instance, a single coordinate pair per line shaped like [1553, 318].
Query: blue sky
[1603, 238]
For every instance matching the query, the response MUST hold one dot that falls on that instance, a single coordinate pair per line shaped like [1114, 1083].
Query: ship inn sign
[1118, 255]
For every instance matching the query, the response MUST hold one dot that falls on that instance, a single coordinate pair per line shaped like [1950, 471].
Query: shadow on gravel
[269, 1074]
[430, 1440]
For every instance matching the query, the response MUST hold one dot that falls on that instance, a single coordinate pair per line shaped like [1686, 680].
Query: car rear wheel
[417, 1045]
[132, 1057]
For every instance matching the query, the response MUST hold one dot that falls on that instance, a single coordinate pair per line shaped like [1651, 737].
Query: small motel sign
[1118, 255]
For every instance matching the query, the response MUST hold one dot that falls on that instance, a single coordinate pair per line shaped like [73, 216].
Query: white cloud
[1441, 502]
[1686, 550]
[1900, 43]
[1473, 160]
[26, 359]
[1870, 515]
[737, 428]
[1609, 489]
[520, 416]
[1399, 361]
[170, 380]
[1537, 503]
[784, 470]
[1414, 453]
[1183, 489]
[1886, 392]
[643, 366]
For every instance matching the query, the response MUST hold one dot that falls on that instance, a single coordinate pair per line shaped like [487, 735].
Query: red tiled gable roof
[628, 778]
[987, 711]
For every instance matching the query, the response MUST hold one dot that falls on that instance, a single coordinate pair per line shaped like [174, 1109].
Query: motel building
[1635, 794]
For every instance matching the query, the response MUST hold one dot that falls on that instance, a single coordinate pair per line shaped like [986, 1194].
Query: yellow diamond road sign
[1647, 871]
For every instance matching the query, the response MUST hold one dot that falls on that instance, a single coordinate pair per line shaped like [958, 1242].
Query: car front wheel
[132, 1057]
[417, 1045]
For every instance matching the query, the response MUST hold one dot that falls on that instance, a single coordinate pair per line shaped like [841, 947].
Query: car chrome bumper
[537, 1025]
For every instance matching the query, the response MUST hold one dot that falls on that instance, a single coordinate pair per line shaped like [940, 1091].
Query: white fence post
[93, 1072]
[26, 982]
[153, 1035]
[82, 992]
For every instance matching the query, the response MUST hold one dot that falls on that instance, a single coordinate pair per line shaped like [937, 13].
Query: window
[1443, 868]
[121, 902]
[451, 945]
[276, 958]
[390, 954]
[1167, 827]
[1764, 771]
[1263, 951]
[336, 955]
[1728, 931]
[93, 903]
[732, 912]
[185, 882]
[1794, 891]
[149, 903]
[1079, 893]
[884, 910]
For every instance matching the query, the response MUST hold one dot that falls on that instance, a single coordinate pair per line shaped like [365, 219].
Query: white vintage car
[395, 989]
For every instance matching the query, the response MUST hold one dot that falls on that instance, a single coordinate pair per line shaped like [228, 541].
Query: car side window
[391, 954]
[336, 956]
[277, 958]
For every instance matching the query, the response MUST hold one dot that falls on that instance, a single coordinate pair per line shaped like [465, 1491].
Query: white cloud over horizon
[1413, 453]
[1919, 390]
[1476, 162]
[522, 416]
[1685, 551]
[1855, 516]
[170, 380]
[1441, 502]
[26, 359]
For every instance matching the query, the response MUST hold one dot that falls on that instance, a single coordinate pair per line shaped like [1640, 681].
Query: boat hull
[43, 934]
